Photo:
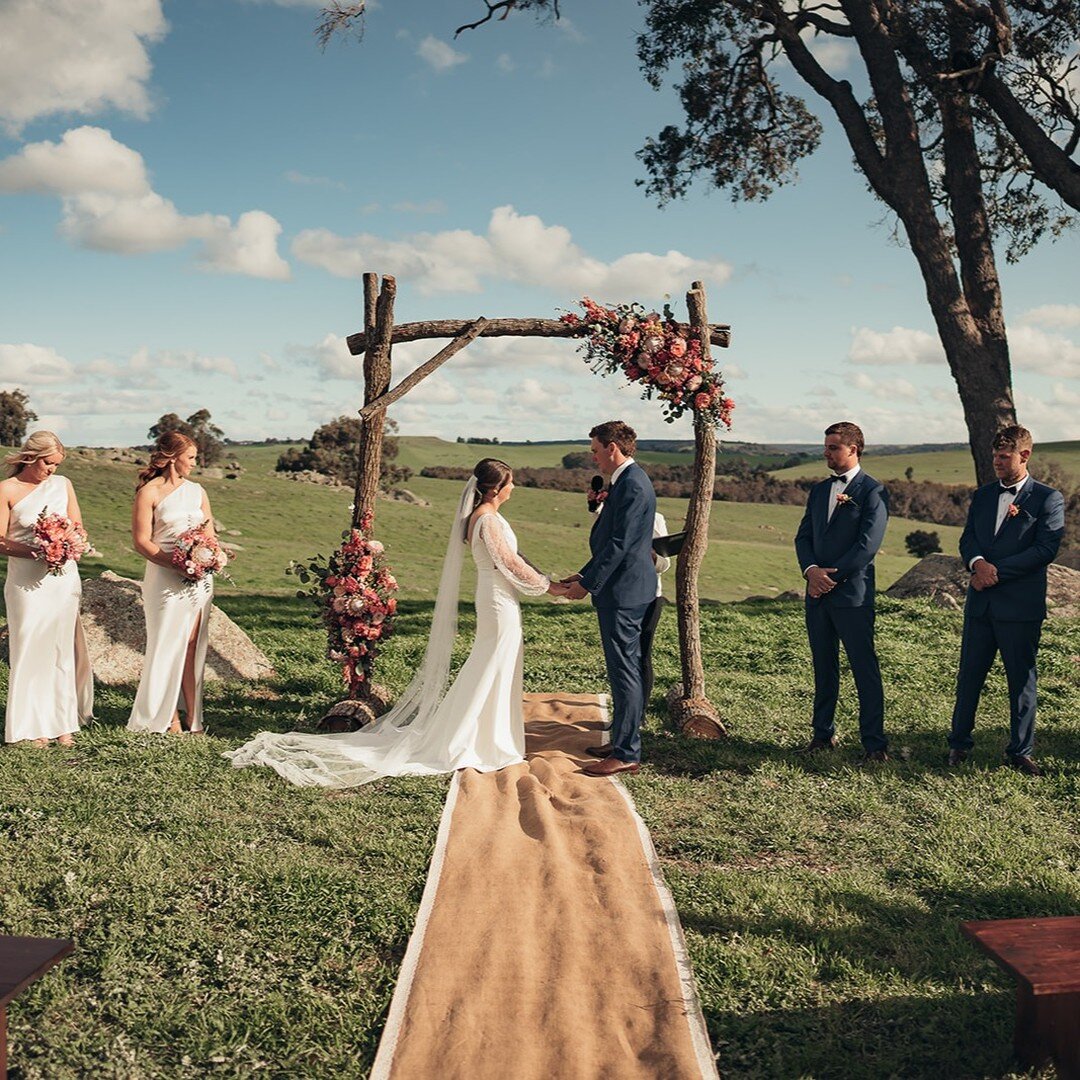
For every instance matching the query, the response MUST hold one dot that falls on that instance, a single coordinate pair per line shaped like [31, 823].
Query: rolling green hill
[944, 466]
[280, 520]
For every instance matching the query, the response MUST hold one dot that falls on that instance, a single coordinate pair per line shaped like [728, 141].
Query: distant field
[944, 466]
[416, 451]
[280, 520]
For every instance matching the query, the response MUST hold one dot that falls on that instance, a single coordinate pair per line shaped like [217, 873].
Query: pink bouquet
[58, 540]
[198, 554]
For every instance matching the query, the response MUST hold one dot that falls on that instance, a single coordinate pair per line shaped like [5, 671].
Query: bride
[478, 722]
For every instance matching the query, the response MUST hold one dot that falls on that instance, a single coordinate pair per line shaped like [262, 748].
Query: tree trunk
[376, 382]
[690, 710]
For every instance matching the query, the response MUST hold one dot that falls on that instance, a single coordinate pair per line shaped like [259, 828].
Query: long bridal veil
[392, 745]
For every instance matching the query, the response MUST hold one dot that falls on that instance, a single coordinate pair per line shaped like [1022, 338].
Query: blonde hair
[40, 444]
[169, 446]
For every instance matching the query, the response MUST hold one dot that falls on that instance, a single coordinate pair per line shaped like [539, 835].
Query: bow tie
[838, 479]
[1010, 490]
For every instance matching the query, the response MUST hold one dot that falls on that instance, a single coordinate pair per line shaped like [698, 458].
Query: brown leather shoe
[816, 744]
[599, 751]
[610, 766]
[957, 757]
[1024, 764]
[874, 755]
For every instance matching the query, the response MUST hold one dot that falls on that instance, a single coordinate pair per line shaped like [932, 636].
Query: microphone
[594, 496]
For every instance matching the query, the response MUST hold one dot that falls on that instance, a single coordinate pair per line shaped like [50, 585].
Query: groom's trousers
[620, 633]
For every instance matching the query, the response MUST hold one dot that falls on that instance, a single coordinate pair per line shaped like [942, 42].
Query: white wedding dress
[477, 724]
[171, 604]
[51, 686]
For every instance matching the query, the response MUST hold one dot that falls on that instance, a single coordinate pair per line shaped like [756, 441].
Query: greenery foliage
[921, 543]
[15, 416]
[332, 450]
[208, 437]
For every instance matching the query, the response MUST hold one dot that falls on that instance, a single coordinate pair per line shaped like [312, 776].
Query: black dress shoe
[1024, 764]
[874, 755]
[957, 757]
[600, 751]
[816, 744]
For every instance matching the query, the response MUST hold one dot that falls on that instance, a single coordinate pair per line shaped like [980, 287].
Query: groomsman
[837, 540]
[1013, 531]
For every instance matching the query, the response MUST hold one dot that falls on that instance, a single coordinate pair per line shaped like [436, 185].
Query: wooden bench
[1044, 956]
[23, 960]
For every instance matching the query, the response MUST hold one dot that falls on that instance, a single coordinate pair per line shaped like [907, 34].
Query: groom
[621, 579]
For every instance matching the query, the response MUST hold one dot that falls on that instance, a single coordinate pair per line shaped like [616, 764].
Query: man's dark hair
[617, 432]
[850, 433]
[1013, 437]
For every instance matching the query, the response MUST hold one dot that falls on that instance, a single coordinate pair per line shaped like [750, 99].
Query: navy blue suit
[622, 580]
[849, 541]
[1006, 617]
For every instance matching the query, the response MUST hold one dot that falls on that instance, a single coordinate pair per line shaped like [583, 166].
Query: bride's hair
[491, 475]
[41, 444]
[169, 446]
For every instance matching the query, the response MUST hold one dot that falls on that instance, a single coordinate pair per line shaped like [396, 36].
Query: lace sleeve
[507, 561]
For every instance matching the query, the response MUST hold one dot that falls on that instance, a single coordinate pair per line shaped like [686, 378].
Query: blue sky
[190, 191]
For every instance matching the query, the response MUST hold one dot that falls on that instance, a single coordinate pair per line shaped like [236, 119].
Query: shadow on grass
[865, 940]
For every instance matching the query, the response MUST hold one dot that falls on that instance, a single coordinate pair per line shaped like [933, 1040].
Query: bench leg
[1046, 1031]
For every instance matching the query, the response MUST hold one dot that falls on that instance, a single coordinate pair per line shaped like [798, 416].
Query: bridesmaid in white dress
[51, 686]
[177, 610]
[478, 723]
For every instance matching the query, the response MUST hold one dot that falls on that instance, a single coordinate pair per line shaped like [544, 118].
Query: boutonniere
[845, 500]
[1013, 510]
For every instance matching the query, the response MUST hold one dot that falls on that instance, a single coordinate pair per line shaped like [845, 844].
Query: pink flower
[1013, 510]
[702, 400]
[677, 347]
[692, 383]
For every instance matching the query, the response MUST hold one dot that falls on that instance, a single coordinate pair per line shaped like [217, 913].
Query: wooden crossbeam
[720, 333]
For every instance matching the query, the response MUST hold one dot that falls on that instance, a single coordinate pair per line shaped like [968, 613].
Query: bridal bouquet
[54, 545]
[663, 355]
[353, 593]
[198, 554]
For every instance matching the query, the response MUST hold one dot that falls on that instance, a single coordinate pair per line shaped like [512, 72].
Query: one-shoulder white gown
[171, 605]
[479, 723]
[51, 686]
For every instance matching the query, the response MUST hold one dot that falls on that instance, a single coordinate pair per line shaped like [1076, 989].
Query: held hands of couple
[570, 587]
[818, 582]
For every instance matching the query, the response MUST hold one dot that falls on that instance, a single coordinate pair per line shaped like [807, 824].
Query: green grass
[943, 466]
[229, 925]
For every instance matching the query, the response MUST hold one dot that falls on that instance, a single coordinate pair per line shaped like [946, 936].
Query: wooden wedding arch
[688, 707]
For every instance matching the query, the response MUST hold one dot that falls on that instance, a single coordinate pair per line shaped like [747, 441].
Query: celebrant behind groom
[621, 579]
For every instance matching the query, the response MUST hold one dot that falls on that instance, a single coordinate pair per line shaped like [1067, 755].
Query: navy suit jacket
[621, 572]
[849, 541]
[1022, 549]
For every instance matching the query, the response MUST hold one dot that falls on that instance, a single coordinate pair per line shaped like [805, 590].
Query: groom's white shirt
[619, 471]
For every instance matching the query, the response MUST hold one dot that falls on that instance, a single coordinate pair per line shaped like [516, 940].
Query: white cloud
[504, 63]
[108, 205]
[833, 54]
[32, 364]
[333, 358]
[885, 389]
[729, 371]
[1048, 354]
[570, 31]
[1057, 316]
[74, 56]
[1049, 420]
[900, 345]
[518, 247]
[438, 55]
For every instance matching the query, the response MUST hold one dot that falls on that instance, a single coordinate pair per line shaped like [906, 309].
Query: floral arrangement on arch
[660, 353]
[353, 592]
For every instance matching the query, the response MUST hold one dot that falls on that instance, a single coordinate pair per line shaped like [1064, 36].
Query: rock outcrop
[112, 618]
[944, 579]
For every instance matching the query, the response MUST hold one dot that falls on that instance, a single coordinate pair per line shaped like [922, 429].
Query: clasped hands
[818, 582]
[983, 575]
[569, 587]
